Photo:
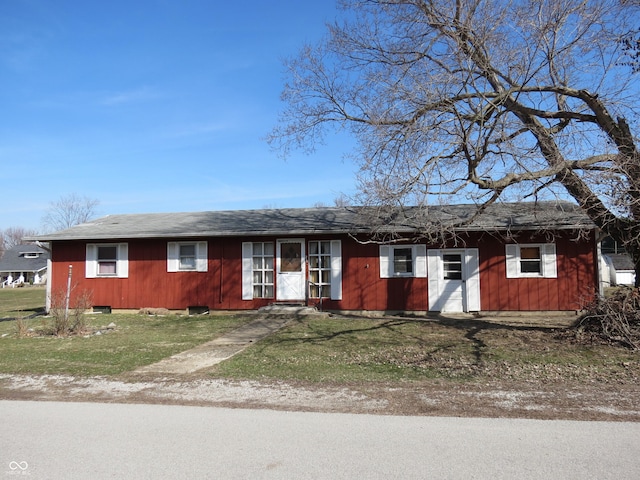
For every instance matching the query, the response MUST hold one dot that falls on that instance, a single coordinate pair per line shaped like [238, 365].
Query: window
[609, 245]
[107, 260]
[403, 261]
[531, 260]
[187, 257]
[325, 269]
[261, 269]
[319, 269]
[291, 257]
[452, 266]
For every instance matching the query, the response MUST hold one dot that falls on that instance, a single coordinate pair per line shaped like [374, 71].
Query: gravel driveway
[433, 398]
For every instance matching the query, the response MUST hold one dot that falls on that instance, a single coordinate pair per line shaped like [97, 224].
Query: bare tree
[342, 200]
[478, 101]
[68, 211]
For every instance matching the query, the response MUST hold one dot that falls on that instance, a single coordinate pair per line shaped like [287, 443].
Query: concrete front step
[289, 309]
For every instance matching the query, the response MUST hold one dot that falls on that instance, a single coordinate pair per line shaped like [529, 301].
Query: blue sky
[154, 106]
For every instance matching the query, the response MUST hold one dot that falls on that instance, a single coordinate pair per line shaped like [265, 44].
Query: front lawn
[339, 350]
[135, 341]
[325, 349]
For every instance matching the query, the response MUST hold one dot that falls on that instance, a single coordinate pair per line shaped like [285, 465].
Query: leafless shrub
[21, 327]
[614, 319]
[58, 313]
[84, 302]
[71, 321]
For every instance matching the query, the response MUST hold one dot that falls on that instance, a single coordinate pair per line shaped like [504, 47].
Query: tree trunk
[635, 256]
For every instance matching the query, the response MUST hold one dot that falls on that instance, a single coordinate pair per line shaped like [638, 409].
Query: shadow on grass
[471, 329]
[27, 313]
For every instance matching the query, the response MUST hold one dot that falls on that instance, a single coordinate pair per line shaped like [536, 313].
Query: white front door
[290, 270]
[454, 280]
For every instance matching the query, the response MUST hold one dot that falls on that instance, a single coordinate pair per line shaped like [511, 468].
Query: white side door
[290, 270]
[454, 280]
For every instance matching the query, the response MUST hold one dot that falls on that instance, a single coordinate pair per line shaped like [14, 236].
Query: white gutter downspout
[48, 285]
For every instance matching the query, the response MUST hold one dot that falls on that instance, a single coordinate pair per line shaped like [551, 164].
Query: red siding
[363, 289]
[575, 284]
[150, 285]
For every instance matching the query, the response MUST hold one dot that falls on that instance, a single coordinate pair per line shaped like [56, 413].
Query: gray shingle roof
[308, 221]
[621, 261]
[14, 259]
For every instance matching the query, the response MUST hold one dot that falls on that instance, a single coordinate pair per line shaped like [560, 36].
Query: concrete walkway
[270, 320]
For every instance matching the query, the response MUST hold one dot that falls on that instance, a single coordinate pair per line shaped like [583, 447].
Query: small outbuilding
[619, 269]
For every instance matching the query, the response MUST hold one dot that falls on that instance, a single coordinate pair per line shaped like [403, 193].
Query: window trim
[173, 257]
[548, 260]
[418, 261]
[122, 260]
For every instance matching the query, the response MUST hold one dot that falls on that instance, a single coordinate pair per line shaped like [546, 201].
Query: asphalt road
[51, 440]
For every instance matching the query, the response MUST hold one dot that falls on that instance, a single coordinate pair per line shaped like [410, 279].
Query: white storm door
[290, 270]
[454, 284]
[452, 278]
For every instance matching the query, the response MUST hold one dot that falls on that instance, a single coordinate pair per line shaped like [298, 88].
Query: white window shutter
[336, 270]
[421, 261]
[122, 267]
[549, 268]
[201, 257]
[247, 271]
[172, 257]
[91, 262]
[472, 276]
[385, 262]
[433, 268]
[513, 263]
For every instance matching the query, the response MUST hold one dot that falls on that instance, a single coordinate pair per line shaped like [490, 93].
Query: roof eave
[302, 232]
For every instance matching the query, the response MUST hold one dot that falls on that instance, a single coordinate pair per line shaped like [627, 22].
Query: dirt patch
[494, 399]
